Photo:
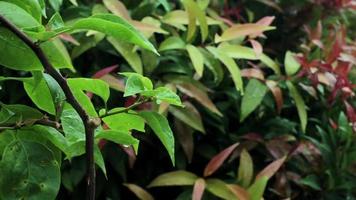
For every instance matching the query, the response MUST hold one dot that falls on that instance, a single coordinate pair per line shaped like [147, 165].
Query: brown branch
[89, 124]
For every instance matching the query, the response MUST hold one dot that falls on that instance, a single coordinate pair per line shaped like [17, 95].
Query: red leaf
[218, 160]
[198, 190]
[69, 38]
[351, 113]
[130, 153]
[105, 71]
[271, 169]
[277, 94]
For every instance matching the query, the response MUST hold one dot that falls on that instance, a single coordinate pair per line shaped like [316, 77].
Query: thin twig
[124, 110]
[89, 124]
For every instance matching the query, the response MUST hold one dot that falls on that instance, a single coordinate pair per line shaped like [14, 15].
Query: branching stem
[89, 123]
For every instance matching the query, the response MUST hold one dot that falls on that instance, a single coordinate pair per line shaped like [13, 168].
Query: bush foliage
[190, 99]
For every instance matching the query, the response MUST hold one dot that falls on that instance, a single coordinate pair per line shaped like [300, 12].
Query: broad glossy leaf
[40, 94]
[127, 51]
[57, 54]
[99, 159]
[95, 86]
[125, 121]
[195, 13]
[30, 6]
[301, 107]
[189, 115]
[216, 162]
[271, 169]
[139, 191]
[198, 190]
[6, 137]
[136, 83]
[220, 189]
[255, 91]
[176, 178]
[197, 59]
[163, 94]
[72, 125]
[172, 43]
[291, 64]
[257, 189]
[116, 27]
[200, 95]
[230, 65]
[14, 113]
[241, 30]
[119, 137]
[160, 126]
[31, 168]
[19, 16]
[245, 172]
[241, 52]
[57, 93]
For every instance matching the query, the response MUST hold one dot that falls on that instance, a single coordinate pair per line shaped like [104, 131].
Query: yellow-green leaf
[197, 59]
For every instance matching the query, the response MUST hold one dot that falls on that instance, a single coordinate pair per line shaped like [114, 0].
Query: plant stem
[123, 110]
[89, 124]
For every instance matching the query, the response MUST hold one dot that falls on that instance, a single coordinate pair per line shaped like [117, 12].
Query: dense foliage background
[276, 77]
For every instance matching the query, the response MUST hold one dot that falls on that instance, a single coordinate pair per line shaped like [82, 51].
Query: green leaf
[53, 135]
[291, 64]
[55, 22]
[18, 56]
[161, 128]
[12, 114]
[163, 94]
[242, 30]
[127, 51]
[30, 6]
[197, 59]
[116, 27]
[136, 83]
[139, 191]
[57, 54]
[241, 52]
[6, 137]
[57, 94]
[55, 4]
[40, 94]
[125, 121]
[19, 16]
[31, 168]
[96, 86]
[219, 189]
[213, 65]
[72, 125]
[119, 137]
[189, 115]
[176, 178]
[230, 65]
[257, 189]
[245, 171]
[165, 4]
[172, 43]
[194, 14]
[99, 160]
[255, 91]
[301, 107]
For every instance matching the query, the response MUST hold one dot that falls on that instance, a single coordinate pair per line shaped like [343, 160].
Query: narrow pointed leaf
[176, 178]
[198, 189]
[139, 192]
[255, 91]
[301, 107]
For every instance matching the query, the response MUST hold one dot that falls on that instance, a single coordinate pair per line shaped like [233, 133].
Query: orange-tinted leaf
[242, 30]
[220, 189]
[69, 38]
[198, 190]
[239, 192]
[175, 178]
[271, 169]
[199, 95]
[253, 73]
[277, 94]
[257, 48]
[266, 21]
[139, 192]
[218, 160]
[117, 8]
